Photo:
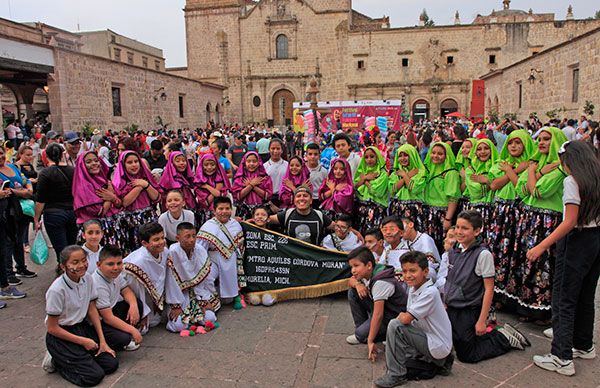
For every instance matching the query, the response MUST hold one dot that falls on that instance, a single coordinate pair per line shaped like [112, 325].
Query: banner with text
[274, 261]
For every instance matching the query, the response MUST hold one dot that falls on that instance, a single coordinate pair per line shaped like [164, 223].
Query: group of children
[104, 303]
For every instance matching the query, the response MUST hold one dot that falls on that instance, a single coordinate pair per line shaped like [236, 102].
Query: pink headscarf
[173, 179]
[285, 194]
[85, 184]
[122, 178]
[242, 173]
[202, 179]
[340, 201]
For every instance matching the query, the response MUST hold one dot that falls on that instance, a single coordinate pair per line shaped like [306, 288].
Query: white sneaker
[47, 364]
[554, 364]
[585, 354]
[131, 346]
[352, 340]
[549, 333]
[514, 342]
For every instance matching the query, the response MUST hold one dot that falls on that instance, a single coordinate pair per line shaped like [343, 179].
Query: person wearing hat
[237, 151]
[72, 144]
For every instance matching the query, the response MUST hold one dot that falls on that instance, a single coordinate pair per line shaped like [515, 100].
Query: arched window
[282, 46]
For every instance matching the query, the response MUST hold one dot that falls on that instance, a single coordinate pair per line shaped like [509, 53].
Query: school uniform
[425, 244]
[169, 224]
[276, 170]
[382, 286]
[69, 301]
[92, 258]
[334, 243]
[440, 281]
[463, 294]
[427, 338]
[109, 297]
[576, 273]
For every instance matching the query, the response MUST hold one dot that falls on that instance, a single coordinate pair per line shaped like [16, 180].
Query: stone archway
[448, 106]
[283, 101]
[9, 103]
[420, 110]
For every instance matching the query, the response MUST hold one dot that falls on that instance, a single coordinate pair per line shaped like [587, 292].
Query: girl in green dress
[478, 182]
[442, 191]
[407, 185]
[513, 161]
[541, 188]
[463, 161]
[371, 188]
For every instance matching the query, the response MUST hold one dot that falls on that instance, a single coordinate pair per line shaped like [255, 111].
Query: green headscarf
[461, 161]
[558, 139]
[509, 191]
[478, 166]
[415, 189]
[434, 170]
[378, 192]
[528, 147]
[549, 188]
[414, 161]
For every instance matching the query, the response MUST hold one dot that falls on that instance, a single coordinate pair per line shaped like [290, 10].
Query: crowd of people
[445, 221]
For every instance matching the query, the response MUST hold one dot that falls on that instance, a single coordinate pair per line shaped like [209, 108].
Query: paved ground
[298, 343]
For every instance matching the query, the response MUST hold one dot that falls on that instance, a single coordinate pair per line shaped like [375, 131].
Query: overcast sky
[160, 23]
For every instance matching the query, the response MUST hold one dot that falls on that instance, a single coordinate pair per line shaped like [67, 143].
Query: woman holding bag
[54, 199]
[20, 189]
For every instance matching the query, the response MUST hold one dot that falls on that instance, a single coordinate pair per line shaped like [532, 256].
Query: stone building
[558, 80]
[77, 79]
[110, 45]
[264, 53]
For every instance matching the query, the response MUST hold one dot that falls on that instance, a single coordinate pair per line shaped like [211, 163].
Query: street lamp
[160, 93]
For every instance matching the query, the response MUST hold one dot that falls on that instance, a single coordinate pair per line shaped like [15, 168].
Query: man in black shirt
[303, 222]
[155, 157]
[237, 151]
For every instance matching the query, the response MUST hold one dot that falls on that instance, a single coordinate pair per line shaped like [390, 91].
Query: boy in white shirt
[343, 145]
[342, 239]
[374, 241]
[392, 229]
[116, 303]
[422, 333]
[191, 269]
[413, 240]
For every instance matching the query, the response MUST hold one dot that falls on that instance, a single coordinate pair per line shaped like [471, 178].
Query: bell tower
[212, 37]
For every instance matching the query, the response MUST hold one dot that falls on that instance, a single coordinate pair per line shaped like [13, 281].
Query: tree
[588, 107]
[425, 19]
[597, 15]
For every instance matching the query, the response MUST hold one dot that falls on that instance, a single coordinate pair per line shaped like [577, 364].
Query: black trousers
[114, 337]
[576, 274]
[470, 347]
[74, 363]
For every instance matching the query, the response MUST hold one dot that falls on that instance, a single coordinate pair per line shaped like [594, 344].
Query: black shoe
[14, 281]
[389, 381]
[25, 273]
[447, 367]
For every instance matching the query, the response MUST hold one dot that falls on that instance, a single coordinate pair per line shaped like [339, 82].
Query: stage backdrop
[288, 268]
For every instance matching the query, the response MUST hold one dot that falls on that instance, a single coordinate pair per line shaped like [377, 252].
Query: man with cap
[237, 151]
[72, 144]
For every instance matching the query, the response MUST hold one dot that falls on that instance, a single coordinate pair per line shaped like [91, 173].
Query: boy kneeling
[118, 317]
[423, 333]
[76, 350]
[375, 297]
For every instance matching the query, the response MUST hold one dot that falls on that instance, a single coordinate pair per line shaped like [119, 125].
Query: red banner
[478, 99]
